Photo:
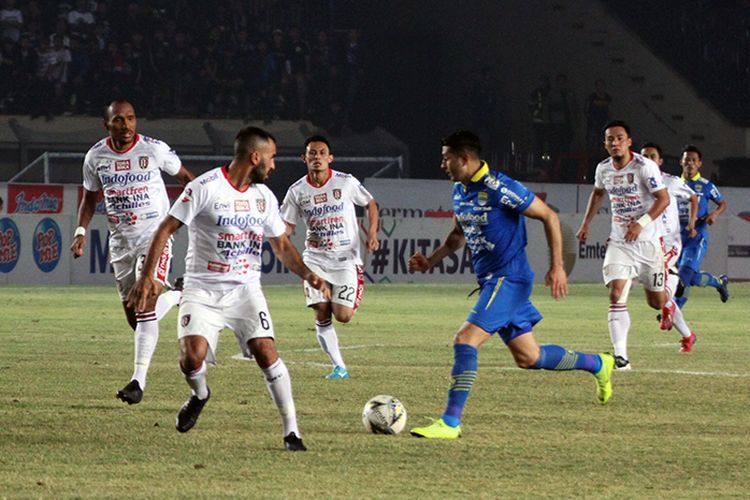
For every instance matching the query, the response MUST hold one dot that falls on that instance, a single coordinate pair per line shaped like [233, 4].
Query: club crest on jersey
[241, 205]
[698, 187]
[631, 178]
[321, 198]
[482, 197]
[261, 204]
[185, 320]
[121, 165]
[143, 162]
[337, 194]
[617, 180]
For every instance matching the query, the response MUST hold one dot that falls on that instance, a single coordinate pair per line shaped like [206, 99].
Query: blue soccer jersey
[490, 212]
[706, 191]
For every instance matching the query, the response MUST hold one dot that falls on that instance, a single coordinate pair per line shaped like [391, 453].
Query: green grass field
[677, 425]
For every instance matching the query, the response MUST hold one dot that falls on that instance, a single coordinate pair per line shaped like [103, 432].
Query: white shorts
[643, 260]
[128, 267]
[207, 312]
[671, 258]
[347, 286]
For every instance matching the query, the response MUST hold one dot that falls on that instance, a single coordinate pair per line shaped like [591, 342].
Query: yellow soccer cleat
[437, 430]
[604, 378]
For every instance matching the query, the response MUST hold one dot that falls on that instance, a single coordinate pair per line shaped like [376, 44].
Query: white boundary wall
[420, 223]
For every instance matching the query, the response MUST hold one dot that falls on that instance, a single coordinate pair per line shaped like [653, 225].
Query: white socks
[329, 341]
[166, 301]
[280, 387]
[197, 381]
[146, 336]
[678, 320]
[618, 320]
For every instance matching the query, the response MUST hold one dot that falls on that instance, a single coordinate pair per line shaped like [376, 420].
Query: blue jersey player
[695, 241]
[489, 209]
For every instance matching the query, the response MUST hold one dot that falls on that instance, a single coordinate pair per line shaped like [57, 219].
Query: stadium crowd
[241, 58]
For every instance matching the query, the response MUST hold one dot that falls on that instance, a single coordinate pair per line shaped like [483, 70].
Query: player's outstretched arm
[373, 220]
[453, 242]
[184, 175]
[592, 207]
[555, 279]
[85, 213]
[720, 209]
[146, 287]
[289, 256]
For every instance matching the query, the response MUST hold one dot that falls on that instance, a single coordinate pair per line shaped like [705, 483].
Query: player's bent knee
[344, 316]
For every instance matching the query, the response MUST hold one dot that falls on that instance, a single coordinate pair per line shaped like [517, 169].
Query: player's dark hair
[652, 145]
[318, 138]
[247, 140]
[617, 123]
[690, 148]
[463, 141]
[105, 111]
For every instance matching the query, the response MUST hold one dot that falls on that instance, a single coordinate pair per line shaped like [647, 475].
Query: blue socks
[555, 357]
[464, 374]
[708, 279]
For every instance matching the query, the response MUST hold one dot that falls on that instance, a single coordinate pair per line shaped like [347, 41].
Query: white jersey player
[679, 194]
[325, 200]
[229, 213]
[126, 167]
[637, 198]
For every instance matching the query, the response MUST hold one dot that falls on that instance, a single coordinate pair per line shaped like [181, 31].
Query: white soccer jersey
[332, 238]
[226, 227]
[134, 193]
[670, 218]
[630, 196]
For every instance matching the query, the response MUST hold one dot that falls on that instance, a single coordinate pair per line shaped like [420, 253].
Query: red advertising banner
[35, 198]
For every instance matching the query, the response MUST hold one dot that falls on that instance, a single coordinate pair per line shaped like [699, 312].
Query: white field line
[240, 357]
[694, 373]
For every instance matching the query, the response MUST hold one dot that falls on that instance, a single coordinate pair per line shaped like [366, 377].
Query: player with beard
[229, 212]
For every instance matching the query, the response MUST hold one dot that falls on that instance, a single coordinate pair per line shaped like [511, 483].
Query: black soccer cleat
[723, 290]
[294, 443]
[131, 393]
[190, 411]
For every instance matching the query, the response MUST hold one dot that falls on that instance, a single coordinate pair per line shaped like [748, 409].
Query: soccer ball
[384, 414]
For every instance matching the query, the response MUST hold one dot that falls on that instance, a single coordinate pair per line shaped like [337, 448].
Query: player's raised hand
[418, 262]
[144, 290]
[319, 284]
[79, 244]
[557, 281]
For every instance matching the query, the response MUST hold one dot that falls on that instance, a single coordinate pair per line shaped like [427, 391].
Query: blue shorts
[504, 307]
[693, 252]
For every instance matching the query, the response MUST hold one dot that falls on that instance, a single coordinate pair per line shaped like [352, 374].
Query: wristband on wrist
[80, 231]
[644, 220]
